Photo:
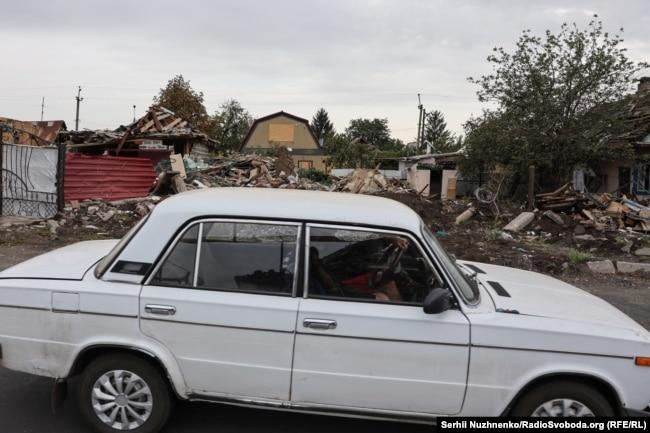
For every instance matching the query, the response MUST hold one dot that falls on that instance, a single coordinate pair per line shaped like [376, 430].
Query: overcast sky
[355, 58]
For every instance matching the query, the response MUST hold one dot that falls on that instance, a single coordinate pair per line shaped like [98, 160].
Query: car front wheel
[124, 393]
[563, 399]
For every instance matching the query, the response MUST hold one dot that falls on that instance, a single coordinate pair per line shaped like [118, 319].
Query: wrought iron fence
[31, 180]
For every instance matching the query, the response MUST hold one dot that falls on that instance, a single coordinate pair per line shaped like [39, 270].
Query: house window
[305, 164]
[281, 132]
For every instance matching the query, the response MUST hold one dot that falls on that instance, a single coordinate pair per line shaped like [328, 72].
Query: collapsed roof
[33, 133]
[158, 123]
[626, 121]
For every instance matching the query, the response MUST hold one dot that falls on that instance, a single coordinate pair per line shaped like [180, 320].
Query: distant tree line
[359, 145]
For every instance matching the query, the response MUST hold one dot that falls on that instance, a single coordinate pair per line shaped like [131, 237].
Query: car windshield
[467, 287]
[104, 263]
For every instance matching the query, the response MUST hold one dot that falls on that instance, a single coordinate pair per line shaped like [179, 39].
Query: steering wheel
[387, 264]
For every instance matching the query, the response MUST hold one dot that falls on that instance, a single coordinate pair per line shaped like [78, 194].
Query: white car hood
[535, 294]
[68, 263]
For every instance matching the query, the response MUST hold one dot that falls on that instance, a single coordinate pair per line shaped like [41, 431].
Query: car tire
[139, 394]
[563, 399]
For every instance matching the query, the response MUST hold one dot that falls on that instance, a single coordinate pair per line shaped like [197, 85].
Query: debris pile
[241, 170]
[600, 211]
[563, 198]
[106, 216]
[93, 218]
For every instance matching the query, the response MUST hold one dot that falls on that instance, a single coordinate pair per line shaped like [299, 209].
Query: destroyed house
[628, 175]
[156, 135]
[122, 163]
[269, 133]
[31, 133]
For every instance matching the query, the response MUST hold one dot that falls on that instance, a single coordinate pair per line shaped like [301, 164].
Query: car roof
[319, 206]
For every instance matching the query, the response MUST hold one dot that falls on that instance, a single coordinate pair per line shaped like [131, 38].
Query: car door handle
[319, 324]
[164, 310]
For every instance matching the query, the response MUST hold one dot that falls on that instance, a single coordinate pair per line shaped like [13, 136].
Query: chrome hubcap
[563, 407]
[122, 400]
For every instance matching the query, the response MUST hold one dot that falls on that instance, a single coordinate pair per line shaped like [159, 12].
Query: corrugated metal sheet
[107, 177]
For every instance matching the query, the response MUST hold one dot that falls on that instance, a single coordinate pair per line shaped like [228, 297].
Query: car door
[222, 299]
[363, 340]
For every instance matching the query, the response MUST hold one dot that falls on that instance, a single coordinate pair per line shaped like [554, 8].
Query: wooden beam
[156, 122]
[122, 141]
[146, 126]
[172, 124]
[531, 187]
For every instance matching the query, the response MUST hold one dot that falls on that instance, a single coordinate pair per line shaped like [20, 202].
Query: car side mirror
[437, 301]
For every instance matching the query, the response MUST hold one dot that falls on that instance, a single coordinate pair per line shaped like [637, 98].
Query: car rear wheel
[124, 393]
[563, 399]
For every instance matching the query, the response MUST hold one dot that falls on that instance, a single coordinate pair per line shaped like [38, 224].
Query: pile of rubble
[240, 170]
[603, 212]
[92, 218]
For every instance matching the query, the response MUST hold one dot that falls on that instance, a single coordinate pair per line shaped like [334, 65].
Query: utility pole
[79, 99]
[417, 143]
[42, 107]
[134, 112]
[424, 124]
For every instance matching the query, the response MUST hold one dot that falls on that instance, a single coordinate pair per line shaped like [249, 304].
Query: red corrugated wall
[107, 177]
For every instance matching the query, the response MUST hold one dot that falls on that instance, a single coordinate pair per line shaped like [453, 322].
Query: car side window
[233, 256]
[178, 268]
[247, 257]
[367, 265]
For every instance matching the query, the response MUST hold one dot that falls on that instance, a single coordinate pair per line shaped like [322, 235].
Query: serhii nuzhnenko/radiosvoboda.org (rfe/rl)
[522, 424]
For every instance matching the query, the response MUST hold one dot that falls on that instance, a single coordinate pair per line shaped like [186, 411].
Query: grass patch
[577, 256]
[539, 244]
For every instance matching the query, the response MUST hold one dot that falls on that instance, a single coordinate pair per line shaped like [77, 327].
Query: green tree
[547, 93]
[321, 124]
[230, 124]
[346, 152]
[187, 103]
[374, 132]
[437, 134]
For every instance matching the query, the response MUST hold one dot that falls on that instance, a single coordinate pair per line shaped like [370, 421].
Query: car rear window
[106, 262]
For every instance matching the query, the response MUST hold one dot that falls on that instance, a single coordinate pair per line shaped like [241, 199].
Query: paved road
[24, 408]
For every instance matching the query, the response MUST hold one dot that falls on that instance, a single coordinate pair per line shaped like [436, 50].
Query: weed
[577, 256]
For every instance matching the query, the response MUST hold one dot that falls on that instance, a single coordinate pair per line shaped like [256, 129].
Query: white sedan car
[317, 302]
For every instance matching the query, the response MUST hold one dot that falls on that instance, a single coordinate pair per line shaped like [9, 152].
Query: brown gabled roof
[278, 114]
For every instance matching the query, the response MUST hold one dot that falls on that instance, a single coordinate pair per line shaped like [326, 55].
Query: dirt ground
[544, 247]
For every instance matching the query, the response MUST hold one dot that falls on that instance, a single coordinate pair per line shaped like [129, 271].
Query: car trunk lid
[67, 263]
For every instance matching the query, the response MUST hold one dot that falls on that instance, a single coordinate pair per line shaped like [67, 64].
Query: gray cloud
[356, 58]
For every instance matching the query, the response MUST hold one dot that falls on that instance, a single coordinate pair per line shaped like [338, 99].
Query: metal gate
[31, 181]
